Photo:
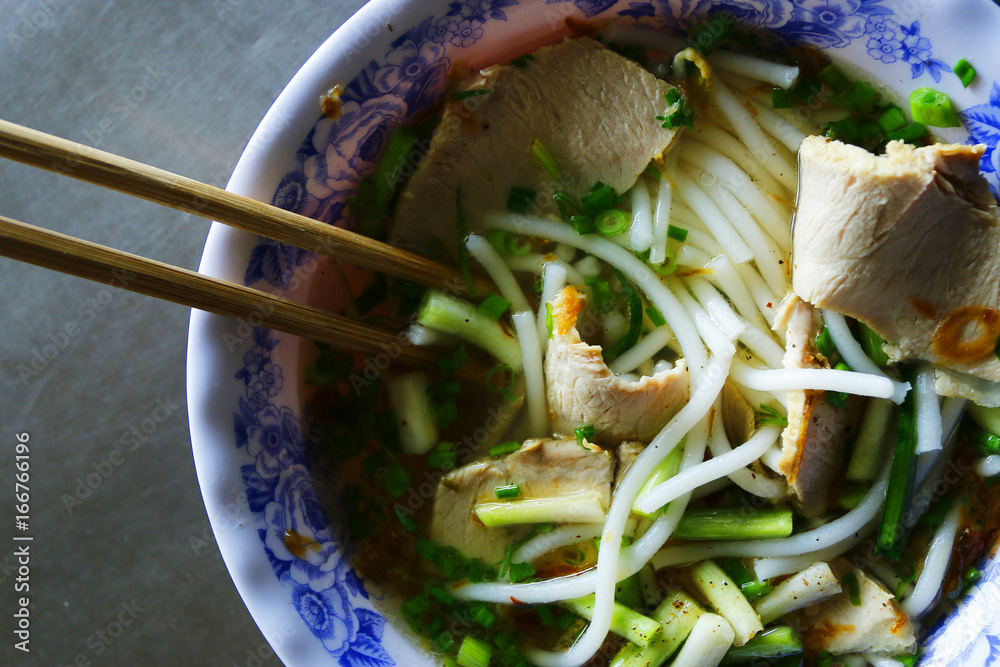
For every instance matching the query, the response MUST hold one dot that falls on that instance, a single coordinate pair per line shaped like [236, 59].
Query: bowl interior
[248, 400]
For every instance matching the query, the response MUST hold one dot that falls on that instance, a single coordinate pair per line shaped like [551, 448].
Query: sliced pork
[909, 244]
[815, 443]
[877, 625]
[542, 468]
[593, 109]
[583, 390]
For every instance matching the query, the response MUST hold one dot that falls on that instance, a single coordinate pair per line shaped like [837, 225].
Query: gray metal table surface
[123, 568]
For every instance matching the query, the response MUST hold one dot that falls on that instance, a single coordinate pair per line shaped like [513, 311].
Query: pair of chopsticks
[66, 254]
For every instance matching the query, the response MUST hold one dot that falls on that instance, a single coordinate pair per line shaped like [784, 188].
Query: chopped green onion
[443, 641]
[545, 615]
[892, 530]
[482, 615]
[892, 119]
[655, 316]
[774, 643]
[666, 469]
[567, 204]
[494, 306]
[330, 367]
[824, 342]
[628, 623]
[909, 133]
[546, 159]
[463, 232]
[988, 443]
[853, 588]
[725, 597]
[427, 549]
[453, 360]
[504, 448]
[507, 491]
[374, 202]
[677, 615]
[507, 389]
[908, 660]
[846, 130]
[782, 99]
[970, 578]
[409, 524]
[474, 653]
[549, 323]
[750, 587]
[603, 300]
[585, 432]
[677, 233]
[932, 107]
[522, 62]
[627, 341]
[396, 480]
[965, 72]
[832, 76]
[838, 398]
[415, 607]
[585, 506]
[468, 94]
[734, 524]
[582, 224]
[807, 88]
[442, 460]
[443, 312]
[861, 95]
[769, 416]
[521, 200]
[873, 344]
[600, 197]
[677, 113]
[444, 388]
[611, 222]
[520, 571]
[451, 564]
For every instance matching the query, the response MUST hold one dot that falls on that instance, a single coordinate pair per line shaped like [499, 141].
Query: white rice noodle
[768, 568]
[928, 411]
[766, 300]
[420, 335]
[607, 570]
[935, 566]
[705, 208]
[764, 253]
[733, 286]
[730, 147]
[702, 241]
[643, 277]
[763, 345]
[707, 644]
[711, 470]
[782, 76]
[635, 556]
[952, 410]
[772, 457]
[717, 307]
[827, 535]
[780, 128]
[692, 257]
[559, 537]
[588, 266]
[758, 485]
[708, 329]
[751, 134]
[854, 355]
[536, 263]
[641, 229]
[564, 252]
[682, 214]
[633, 35]
[711, 487]
[661, 221]
[486, 254]
[989, 466]
[827, 379]
[553, 280]
[534, 375]
[649, 345]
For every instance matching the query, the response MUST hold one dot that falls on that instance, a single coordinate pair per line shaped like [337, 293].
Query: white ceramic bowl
[245, 386]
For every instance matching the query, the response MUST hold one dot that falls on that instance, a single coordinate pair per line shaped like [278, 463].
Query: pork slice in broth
[593, 109]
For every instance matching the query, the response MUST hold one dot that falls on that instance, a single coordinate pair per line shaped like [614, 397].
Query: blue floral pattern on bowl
[303, 544]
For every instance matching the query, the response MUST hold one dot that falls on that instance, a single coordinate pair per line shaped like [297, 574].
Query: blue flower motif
[329, 615]
[882, 26]
[275, 263]
[755, 13]
[839, 17]
[296, 512]
[442, 30]
[983, 123]
[466, 32]
[885, 48]
[916, 49]
[293, 196]
[590, 8]
[480, 10]
[274, 440]
[322, 568]
[366, 650]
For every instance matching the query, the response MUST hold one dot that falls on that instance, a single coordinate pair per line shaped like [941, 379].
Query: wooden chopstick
[162, 187]
[59, 252]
